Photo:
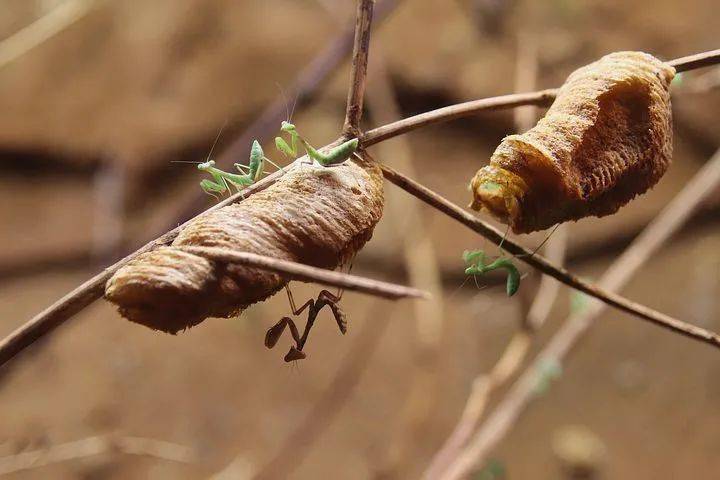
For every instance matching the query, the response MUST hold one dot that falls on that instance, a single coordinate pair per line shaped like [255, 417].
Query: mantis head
[288, 127]
[205, 166]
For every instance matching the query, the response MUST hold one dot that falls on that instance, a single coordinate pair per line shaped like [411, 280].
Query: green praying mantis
[249, 174]
[223, 181]
[476, 265]
[335, 156]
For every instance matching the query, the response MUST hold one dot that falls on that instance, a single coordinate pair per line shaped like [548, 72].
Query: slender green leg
[211, 188]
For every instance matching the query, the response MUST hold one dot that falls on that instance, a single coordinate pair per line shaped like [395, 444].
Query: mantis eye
[287, 126]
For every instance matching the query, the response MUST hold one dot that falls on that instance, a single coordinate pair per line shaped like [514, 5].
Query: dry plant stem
[517, 348]
[91, 290]
[98, 445]
[645, 246]
[361, 48]
[415, 243]
[460, 110]
[526, 72]
[549, 287]
[297, 445]
[543, 265]
[42, 29]
[306, 273]
[482, 387]
[541, 98]
[699, 60]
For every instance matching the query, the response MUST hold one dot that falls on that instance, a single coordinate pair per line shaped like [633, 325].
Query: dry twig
[415, 243]
[92, 446]
[42, 29]
[299, 271]
[361, 50]
[645, 246]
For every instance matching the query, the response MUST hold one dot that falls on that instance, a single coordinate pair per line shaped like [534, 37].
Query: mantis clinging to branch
[223, 180]
[335, 156]
[476, 259]
[476, 264]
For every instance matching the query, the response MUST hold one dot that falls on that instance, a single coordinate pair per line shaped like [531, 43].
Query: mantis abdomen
[313, 215]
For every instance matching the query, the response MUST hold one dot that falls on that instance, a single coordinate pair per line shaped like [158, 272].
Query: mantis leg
[285, 149]
[274, 164]
[513, 279]
[325, 298]
[275, 332]
[291, 299]
[211, 188]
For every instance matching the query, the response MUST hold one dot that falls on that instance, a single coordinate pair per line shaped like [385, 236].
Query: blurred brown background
[92, 119]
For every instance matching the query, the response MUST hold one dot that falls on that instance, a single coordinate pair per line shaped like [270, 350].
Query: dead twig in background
[108, 210]
[299, 271]
[75, 301]
[482, 386]
[517, 348]
[543, 265]
[645, 246]
[415, 243]
[98, 445]
[526, 72]
[42, 29]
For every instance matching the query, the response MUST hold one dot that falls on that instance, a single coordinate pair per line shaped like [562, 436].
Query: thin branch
[361, 49]
[699, 60]
[542, 98]
[645, 246]
[299, 271]
[516, 350]
[97, 445]
[483, 385]
[415, 242]
[88, 292]
[549, 287]
[42, 29]
[543, 265]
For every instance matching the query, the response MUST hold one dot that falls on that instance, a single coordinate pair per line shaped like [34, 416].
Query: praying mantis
[335, 156]
[249, 174]
[223, 180]
[476, 264]
[476, 261]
